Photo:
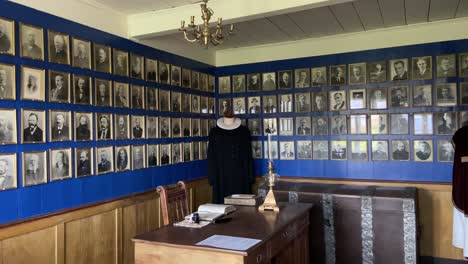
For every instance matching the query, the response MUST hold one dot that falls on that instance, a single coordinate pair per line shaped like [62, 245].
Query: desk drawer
[258, 256]
[288, 234]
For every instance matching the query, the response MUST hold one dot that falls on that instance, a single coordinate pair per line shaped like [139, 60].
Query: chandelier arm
[186, 36]
[216, 41]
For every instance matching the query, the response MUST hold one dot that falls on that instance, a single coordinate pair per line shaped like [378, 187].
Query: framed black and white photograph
[186, 103]
[463, 64]
[103, 92]
[224, 84]
[151, 70]
[152, 127]
[303, 126]
[120, 62]
[302, 102]
[31, 42]
[399, 124]
[83, 126]
[379, 124]
[203, 81]
[338, 125]
[257, 149]
[58, 47]
[339, 149]
[163, 72]
[34, 168]
[422, 68]
[204, 150]
[377, 72]
[60, 165]
[7, 36]
[59, 87]
[32, 84]
[302, 78]
[82, 89]
[81, 51]
[378, 98]
[211, 105]
[138, 157]
[239, 105]
[287, 151]
[270, 104]
[195, 127]
[423, 124]
[187, 149]
[358, 124]
[253, 82]
[60, 125]
[165, 154]
[137, 66]
[176, 127]
[186, 127]
[121, 126]
[338, 75]
[445, 150]
[225, 106]
[138, 127]
[8, 128]
[463, 92]
[84, 162]
[270, 150]
[164, 101]
[446, 94]
[463, 118]
[204, 130]
[286, 103]
[122, 158]
[195, 103]
[337, 100]
[319, 76]
[7, 82]
[446, 66]
[8, 171]
[165, 127]
[152, 155]
[320, 125]
[400, 150]
[285, 80]
[422, 95]
[357, 73]
[359, 150]
[379, 150]
[320, 149]
[269, 81]
[255, 126]
[320, 101]
[399, 70]
[357, 99]
[304, 149]
[270, 126]
[138, 97]
[151, 98]
[121, 95]
[286, 126]
[176, 102]
[196, 150]
[446, 123]
[104, 159]
[423, 150]
[399, 96]
[211, 83]
[102, 58]
[176, 153]
[104, 126]
[196, 81]
[238, 83]
[33, 126]
[254, 104]
[175, 75]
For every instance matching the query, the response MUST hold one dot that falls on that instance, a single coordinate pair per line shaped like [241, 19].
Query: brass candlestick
[270, 178]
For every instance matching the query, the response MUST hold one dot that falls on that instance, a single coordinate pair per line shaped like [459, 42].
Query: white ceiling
[130, 7]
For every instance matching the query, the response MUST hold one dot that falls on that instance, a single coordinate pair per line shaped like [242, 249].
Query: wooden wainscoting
[98, 233]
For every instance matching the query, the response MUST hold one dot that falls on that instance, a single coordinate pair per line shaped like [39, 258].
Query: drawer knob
[259, 258]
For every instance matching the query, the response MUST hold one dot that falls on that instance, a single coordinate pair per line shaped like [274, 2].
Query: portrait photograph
[338, 75]
[463, 92]
[269, 81]
[257, 149]
[122, 158]
[195, 103]
[8, 130]
[121, 126]
[359, 150]
[175, 75]
[176, 153]
[151, 70]
[138, 97]
[7, 36]
[463, 64]
[304, 149]
[445, 150]
[165, 154]
[337, 100]
[104, 159]
[399, 96]
[203, 81]
[400, 150]
[33, 126]
[103, 92]
[81, 50]
[224, 84]
[58, 47]
[358, 124]
[225, 106]
[104, 126]
[82, 89]
[286, 103]
[286, 126]
[176, 102]
[285, 80]
[163, 72]
[32, 84]
[287, 151]
[152, 127]
[379, 150]
[121, 95]
[186, 127]
[339, 149]
[34, 168]
[422, 68]
[59, 125]
[423, 124]
[446, 66]
[83, 126]
[399, 70]
[102, 58]
[187, 148]
[204, 127]
[239, 105]
[60, 166]
[152, 155]
[7, 82]
[204, 105]
[338, 125]
[302, 78]
[138, 157]
[138, 127]
[422, 95]
[273, 153]
[253, 82]
[151, 98]
[211, 83]
[446, 123]
[463, 118]
[320, 149]
[377, 72]
[176, 127]
[238, 83]
[186, 78]
[8, 171]
[196, 150]
[255, 126]
[204, 150]
[357, 73]
[254, 104]
[270, 126]
[446, 94]
[187, 104]
[59, 87]
[211, 105]
[31, 42]
[165, 127]
[319, 76]
[423, 150]
[378, 98]
[137, 70]
[195, 80]
[303, 102]
[379, 124]
[84, 162]
[270, 104]
[357, 99]
[120, 62]
[320, 101]
[164, 101]
[320, 125]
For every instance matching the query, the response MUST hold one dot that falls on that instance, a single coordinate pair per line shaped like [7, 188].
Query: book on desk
[212, 212]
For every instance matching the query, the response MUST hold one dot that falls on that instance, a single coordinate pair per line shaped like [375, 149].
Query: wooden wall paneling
[416, 11]
[59, 243]
[443, 9]
[369, 12]
[118, 214]
[1, 252]
[348, 17]
[129, 226]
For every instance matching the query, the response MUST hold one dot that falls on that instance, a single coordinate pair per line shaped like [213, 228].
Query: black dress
[460, 170]
[230, 164]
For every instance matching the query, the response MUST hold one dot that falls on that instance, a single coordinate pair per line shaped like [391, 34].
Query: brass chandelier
[202, 33]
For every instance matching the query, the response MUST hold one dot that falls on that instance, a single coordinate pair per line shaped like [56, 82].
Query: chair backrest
[174, 204]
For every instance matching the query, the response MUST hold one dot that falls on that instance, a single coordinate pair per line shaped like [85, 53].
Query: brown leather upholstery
[174, 204]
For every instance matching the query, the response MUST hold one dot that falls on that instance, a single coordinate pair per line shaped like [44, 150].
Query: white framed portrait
[32, 84]
[60, 165]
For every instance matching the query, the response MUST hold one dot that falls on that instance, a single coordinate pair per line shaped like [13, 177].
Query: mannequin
[230, 164]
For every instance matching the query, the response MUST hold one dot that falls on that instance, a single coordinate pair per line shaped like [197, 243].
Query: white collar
[221, 124]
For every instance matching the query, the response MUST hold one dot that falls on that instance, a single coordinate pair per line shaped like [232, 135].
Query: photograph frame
[442, 129]
[176, 75]
[74, 48]
[299, 80]
[140, 60]
[104, 66]
[399, 77]
[282, 84]
[24, 26]
[138, 132]
[76, 99]
[321, 79]
[164, 100]
[271, 85]
[154, 147]
[120, 62]
[336, 79]
[186, 78]
[10, 79]
[378, 103]
[291, 155]
[357, 128]
[376, 155]
[77, 124]
[124, 131]
[270, 109]
[10, 166]
[336, 154]
[335, 106]
[416, 72]
[445, 151]
[451, 70]
[463, 93]
[44, 166]
[239, 105]
[151, 76]
[52, 116]
[165, 128]
[394, 124]
[110, 159]
[399, 100]
[135, 158]
[51, 34]
[224, 84]
[195, 80]
[421, 98]
[320, 153]
[380, 73]
[376, 127]
[357, 80]
[150, 133]
[420, 131]
[301, 145]
[108, 84]
[138, 103]
[52, 166]
[257, 149]
[400, 155]
[109, 133]
[254, 87]
[90, 160]
[42, 85]
[121, 95]
[363, 145]
[12, 38]
[42, 114]
[176, 127]
[284, 124]
[122, 165]
[439, 93]
[164, 70]
[9, 128]
[51, 84]
[418, 155]
[355, 102]
[168, 157]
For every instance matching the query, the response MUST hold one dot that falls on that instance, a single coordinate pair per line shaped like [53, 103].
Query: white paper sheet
[229, 242]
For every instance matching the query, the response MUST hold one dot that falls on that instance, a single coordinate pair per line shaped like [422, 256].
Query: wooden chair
[174, 204]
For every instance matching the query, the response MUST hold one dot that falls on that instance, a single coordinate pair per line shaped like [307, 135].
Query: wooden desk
[284, 239]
